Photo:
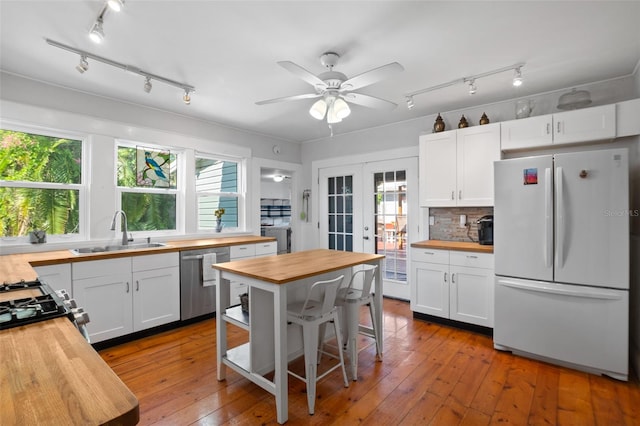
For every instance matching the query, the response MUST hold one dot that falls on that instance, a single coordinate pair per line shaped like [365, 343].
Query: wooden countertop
[453, 245]
[289, 267]
[49, 375]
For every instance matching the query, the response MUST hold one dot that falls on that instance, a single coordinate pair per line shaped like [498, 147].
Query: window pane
[332, 185]
[22, 210]
[36, 158]
[149, 211]
[208, 204]
[130, 175]
[216, 175]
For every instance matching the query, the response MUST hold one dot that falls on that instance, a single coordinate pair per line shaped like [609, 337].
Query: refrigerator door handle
[560, 218]
[542, 288]
[548, 218]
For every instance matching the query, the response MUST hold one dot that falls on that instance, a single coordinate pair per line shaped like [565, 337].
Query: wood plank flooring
[430, 375]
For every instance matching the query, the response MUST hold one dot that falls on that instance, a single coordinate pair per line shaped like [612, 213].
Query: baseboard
[487, 331]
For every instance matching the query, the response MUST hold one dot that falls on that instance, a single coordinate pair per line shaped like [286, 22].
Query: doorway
[372, 208]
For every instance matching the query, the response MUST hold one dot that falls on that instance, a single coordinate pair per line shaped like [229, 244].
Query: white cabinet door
[526, 133]
[156, 297]
[584, 125]
[438, 169]
[477, 148]
[108, 301]
[430, 289]
[267, 249]
[471, 298]
[58, 277]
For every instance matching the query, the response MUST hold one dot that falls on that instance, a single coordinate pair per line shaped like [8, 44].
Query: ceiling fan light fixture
[116, 5]
[278, 178]
[517, 77]
[83, 65]
[341, 109]
[332, 118]
[97, 33]
[318, 109]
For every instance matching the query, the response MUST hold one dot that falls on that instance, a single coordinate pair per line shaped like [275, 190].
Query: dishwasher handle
[194, 257]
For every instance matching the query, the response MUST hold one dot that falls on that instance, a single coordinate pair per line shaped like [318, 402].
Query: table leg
[221, 328]
[280, 346]
[377, 302]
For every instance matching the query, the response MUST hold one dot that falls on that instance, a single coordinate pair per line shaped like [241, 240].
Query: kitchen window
[41, 185]
[148, 187]
[218, 186]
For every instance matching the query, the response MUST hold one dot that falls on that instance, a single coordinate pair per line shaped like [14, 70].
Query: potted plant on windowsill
[218, 213]
[38, 233]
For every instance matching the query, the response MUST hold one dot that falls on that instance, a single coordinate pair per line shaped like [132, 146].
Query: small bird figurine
[151, 163]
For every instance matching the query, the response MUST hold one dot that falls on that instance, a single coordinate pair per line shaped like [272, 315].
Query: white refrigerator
[561, 246]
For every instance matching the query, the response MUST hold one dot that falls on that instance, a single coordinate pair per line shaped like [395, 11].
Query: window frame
[179, 191]
[82, 187]
[241, 193]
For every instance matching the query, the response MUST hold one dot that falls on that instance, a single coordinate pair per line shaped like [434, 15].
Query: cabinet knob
[137, 285]
[445, 277]
[453, 278]
[460, 195]
[127, 286]
[452, 195]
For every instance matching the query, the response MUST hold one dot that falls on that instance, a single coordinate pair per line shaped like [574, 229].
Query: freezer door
[587, 327]
[592, 218]
[523, 218]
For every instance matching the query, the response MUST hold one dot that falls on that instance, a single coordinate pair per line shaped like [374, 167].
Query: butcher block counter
[453, 245]
[50, 375]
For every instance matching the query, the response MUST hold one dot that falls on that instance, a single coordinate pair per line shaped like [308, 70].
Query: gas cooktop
[27, 302]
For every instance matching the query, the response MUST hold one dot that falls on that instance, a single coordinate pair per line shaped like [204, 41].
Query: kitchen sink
[118, 247]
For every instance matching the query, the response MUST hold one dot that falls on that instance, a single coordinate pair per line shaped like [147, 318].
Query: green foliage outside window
[39, 167]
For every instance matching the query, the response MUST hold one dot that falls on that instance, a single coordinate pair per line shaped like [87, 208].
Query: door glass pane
[340, 217]
[390, 201]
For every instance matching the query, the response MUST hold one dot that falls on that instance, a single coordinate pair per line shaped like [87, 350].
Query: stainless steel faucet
[125, 237]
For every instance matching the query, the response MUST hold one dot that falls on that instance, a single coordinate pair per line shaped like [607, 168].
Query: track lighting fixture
[517, 77]
[472, 87]
[517, 81]
[410, 103]
[84, 66]
[97, 33]
[115, 5]
[147, 85]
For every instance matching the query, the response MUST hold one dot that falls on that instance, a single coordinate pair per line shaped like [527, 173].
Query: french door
[372, 208]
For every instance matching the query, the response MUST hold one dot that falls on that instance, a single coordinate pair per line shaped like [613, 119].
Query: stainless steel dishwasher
[195, 298]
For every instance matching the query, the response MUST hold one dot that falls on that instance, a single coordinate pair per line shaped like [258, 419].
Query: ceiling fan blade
[302, 73]
[371, 76]
[289, 98]
[369, 101]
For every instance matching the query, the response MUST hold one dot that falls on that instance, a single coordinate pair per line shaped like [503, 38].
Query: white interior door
[366, 208]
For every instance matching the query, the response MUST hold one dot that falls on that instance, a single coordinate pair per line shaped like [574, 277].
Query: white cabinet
[58, 277]
[456, 167]
[129, 294]
[455, 285]
[246, 251]
[583, 125]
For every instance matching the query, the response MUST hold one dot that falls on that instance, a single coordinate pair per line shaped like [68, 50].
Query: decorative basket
[244, 302]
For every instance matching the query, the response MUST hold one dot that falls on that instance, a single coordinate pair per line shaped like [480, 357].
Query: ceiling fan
[335, 89]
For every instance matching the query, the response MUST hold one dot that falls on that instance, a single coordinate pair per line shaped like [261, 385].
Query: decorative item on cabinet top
[484, 119]
[438, 126]
[463, 122]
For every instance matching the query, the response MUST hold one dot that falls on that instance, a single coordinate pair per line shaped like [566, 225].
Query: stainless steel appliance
[485, 230]
[197, 289]
[282, 234]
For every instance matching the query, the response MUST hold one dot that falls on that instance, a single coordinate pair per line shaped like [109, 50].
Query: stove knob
[71, 303]
[80, 316]
[63, 294]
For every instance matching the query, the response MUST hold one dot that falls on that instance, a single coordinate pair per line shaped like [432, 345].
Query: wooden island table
[272, 281]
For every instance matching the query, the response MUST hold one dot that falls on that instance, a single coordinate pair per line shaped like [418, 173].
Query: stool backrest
[366, 277]
[326, 291]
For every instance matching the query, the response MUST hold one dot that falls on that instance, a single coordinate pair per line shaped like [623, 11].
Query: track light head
[517, 77]
[83, 65]
[410, 103]
[472, 87]
[115, 5]
[147, 85]
[186, 97]
[97, 33]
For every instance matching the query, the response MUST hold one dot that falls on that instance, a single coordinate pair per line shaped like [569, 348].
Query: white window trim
[83, 194]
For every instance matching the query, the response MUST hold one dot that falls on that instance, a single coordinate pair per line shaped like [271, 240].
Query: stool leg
[310, 338]
[352, 336]
[376, 332]
[321, 336]
[336, 327]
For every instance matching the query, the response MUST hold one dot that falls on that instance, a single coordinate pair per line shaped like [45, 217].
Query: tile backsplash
[447, 223]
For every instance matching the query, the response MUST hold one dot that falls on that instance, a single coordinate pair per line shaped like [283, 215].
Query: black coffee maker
[485, 230]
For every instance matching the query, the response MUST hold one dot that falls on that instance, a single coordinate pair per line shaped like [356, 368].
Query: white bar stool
[350, 299]
[311, 315]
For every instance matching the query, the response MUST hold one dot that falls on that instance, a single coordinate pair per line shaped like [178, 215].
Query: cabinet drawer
[430, 255]
[472, 259]
[154, 261]
[245, 250]
[101, 268]
[267, 249]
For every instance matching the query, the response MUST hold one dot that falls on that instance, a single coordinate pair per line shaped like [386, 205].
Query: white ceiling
[228, 50]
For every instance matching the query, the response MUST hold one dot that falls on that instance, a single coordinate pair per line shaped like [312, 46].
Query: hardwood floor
[430, 374]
